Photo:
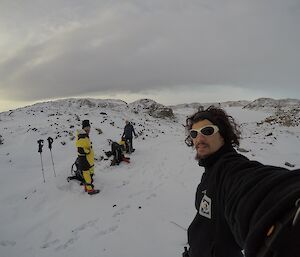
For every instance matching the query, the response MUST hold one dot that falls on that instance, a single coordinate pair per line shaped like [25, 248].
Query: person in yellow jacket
[122, 143]
[86, 157]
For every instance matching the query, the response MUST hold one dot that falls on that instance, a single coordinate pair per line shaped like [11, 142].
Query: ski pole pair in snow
[40, 150]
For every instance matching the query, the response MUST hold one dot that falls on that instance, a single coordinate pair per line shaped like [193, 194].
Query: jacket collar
[81, 133]
[212, 159]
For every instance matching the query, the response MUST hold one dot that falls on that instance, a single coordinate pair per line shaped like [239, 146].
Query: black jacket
[116, 150]
[128, 131]
[237, 201]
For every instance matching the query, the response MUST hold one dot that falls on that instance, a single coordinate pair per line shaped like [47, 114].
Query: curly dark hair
[228, 128]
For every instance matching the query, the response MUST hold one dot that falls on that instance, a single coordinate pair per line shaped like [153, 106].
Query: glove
[185, 253]
[92, 170]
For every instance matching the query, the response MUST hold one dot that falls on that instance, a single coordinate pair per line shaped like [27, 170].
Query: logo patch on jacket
[205, 207]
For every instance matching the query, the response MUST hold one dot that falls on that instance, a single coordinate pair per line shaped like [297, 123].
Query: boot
[93, 191]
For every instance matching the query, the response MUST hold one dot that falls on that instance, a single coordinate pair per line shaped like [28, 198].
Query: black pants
[129, 147]
[116, 152]
[83, 164]
[118, 156]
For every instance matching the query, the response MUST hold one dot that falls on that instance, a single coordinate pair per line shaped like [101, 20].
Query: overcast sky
[172, 51]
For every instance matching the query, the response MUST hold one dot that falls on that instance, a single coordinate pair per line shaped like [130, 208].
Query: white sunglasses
[207, 130]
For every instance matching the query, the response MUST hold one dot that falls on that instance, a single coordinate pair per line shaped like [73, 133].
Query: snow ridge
[144, 207]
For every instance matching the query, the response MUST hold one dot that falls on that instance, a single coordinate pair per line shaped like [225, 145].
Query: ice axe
[41, 144]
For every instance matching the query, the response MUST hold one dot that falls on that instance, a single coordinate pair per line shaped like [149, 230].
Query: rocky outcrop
[270, 104]
[153, 108]
[285, 112]
[288, 118]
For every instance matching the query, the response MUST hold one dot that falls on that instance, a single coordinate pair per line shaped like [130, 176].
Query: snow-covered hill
[143, 208]
[284, 111]
[273, 104]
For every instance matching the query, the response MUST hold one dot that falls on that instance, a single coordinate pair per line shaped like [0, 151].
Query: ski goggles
[207, 130]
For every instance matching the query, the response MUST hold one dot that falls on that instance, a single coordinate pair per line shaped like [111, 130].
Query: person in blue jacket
[128, 135]
[242, 205]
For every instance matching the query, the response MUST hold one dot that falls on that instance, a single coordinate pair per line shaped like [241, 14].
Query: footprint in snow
[49, 244]
[90, 223]
[151, 196]
[121, 211]
[7, 243]
[124, 183]
[75, 232]
[67, 244]
[107, 231]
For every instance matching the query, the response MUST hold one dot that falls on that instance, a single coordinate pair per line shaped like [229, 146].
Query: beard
[198, 156]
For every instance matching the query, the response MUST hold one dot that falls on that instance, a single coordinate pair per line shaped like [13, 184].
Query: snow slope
[143, 208]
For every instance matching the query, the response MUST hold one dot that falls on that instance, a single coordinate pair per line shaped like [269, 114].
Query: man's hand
[185, 253]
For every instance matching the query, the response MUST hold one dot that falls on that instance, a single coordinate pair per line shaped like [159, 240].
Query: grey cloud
[137, 46]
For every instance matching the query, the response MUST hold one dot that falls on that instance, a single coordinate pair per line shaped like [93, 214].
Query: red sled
[125, 159]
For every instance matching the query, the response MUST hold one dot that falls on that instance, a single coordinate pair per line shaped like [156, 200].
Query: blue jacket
[128, 131]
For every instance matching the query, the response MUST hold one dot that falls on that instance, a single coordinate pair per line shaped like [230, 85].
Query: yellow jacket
[123, 145]
[84, 147]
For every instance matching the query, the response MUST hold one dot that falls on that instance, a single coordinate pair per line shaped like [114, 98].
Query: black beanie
[85, 123]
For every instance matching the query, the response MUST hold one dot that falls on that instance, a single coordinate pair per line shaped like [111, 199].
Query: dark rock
[289, 164]
[242, 150]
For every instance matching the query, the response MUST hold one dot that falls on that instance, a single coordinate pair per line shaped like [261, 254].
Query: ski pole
[50, 141]
[41, 143]
[176, 224]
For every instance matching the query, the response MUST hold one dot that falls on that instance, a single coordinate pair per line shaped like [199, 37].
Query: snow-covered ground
[143, 208]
